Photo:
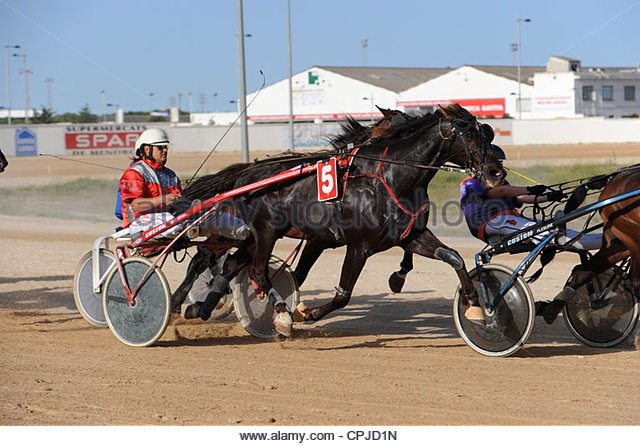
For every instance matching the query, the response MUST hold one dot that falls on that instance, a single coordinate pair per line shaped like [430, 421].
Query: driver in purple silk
[492, 211]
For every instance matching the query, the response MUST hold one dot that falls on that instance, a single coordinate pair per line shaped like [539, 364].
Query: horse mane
[225, 180]
[351, 132]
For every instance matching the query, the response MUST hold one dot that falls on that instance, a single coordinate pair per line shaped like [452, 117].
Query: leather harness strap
[378, 175]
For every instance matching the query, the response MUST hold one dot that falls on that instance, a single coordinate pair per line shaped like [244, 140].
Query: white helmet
[152, 137]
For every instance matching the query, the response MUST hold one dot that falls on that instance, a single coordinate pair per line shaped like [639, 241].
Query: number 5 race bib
[327, 180]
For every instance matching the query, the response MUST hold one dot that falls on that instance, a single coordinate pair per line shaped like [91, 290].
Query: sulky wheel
[609, 319]
[509, 326]
[256, 315]
[199, 292]
[88, 303]
[142, 323]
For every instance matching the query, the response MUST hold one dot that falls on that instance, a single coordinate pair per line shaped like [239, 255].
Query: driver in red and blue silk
[148, 186]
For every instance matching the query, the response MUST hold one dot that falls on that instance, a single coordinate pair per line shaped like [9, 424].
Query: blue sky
[133, 48]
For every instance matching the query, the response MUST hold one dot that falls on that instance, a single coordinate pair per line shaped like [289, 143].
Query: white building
[566, 89]
[561, 89]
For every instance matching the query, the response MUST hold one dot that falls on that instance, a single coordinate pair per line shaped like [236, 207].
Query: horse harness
[344, 165]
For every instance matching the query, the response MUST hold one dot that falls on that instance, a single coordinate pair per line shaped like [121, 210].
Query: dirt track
[384, 360]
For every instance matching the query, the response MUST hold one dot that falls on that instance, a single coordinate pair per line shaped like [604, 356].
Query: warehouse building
[561, 89]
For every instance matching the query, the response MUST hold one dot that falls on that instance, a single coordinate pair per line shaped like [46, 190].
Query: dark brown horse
[383, 203]
[619, 240]
[3, 162]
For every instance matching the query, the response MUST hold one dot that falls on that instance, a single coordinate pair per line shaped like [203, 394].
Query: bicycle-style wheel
[609, 319]
[89, 303]
[256, 315]
[510, 324]
[199, 291]
[143, 323]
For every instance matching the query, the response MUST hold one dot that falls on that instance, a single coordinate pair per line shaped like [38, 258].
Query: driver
[148, 187]
[492, 211]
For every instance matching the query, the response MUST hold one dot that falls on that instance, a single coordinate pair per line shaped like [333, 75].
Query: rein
[411, 163]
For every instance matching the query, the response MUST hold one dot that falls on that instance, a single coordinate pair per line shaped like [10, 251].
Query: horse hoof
[299, 312]
[283, 323]
[551, 311]
[396, 282]
[190, 311]
[474, 314]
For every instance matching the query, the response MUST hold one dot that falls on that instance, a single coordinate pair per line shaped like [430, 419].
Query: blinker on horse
[383, 177]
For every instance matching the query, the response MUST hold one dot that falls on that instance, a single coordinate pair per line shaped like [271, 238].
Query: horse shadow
[43, 298]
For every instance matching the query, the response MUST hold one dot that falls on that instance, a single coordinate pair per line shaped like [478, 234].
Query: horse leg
[612, 252]
[396, 280]
[428, 245]
[197, 265]
[222, 274]
[308, 257]
[259, 272]
[351, 268]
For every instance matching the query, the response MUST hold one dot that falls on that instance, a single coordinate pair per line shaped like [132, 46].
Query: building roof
[392, 79]
[511, 72]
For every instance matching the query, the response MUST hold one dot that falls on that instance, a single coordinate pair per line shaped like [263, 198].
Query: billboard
[101, 139]
[479, 107]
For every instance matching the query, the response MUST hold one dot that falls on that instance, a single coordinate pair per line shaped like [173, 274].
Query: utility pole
[291, 136]
[49, 81]
[104, 105]
[6, 48]
[244, 134]
[26, 72]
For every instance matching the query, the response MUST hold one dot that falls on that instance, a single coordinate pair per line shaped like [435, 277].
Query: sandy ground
[386, 359]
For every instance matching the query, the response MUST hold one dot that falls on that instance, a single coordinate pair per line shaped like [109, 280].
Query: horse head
[471, 144]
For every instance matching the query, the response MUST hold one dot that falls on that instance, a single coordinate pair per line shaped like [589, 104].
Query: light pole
[151, 100]
[190, 110]
[244, 134]
[26, 73]
[519, 86]
[215, 99]
[179, 102]
[370, 98]
[365, 44]
[115, 115]
[6, 48]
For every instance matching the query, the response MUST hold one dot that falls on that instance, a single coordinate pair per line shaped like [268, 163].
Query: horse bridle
[459, 129]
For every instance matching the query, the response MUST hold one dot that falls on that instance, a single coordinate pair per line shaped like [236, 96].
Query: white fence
[109, 138]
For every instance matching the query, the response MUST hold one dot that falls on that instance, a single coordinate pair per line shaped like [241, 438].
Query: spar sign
[97, 139]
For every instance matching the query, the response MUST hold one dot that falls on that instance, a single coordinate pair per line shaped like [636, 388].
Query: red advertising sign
[327, 180]
[101, 137]
[102, 140]
[479, 107]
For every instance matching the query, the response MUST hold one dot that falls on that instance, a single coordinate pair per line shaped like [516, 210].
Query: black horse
[3, 162]
[383, 202]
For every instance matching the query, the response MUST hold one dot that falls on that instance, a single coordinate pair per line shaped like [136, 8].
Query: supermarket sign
[89, 138]
[479, 107]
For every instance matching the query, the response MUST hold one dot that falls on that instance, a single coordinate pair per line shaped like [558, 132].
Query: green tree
[43, 117]
[85, 115]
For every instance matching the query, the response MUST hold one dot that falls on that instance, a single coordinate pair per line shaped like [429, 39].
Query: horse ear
[386, 112]
[444, 112]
